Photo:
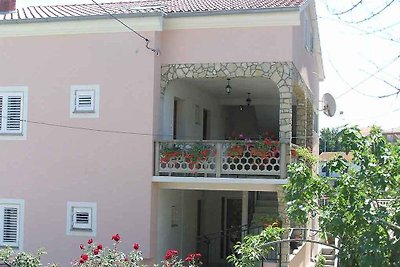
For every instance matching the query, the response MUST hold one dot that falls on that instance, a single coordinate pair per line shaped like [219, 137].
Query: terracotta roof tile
[146, 7]
[327, 156]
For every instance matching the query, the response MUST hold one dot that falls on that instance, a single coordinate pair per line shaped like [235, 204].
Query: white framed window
[13, 112]
[84, 101]
[81, 218]
[11, 223]
[308, 34]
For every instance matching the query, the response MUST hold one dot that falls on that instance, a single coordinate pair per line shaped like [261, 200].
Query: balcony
[219, 158]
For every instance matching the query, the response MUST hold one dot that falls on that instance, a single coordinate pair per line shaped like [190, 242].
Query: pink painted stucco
[227, 45]
[55, 164]
[305, 61]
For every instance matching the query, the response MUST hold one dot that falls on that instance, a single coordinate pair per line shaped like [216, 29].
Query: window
[81, 218]
[315, 122]
[11, 222]
[308, 34]
[84, 101]
[13, 112]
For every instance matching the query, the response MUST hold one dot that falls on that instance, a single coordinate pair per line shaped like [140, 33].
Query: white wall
[181, 237]
[190, 97]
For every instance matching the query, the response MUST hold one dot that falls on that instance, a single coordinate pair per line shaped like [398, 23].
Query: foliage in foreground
[95, 255]
[249, 252]
[22, 259]
[368, 230]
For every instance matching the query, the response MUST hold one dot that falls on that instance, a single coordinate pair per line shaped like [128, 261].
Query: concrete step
[328, 251]
[329, 257]
[329, 262]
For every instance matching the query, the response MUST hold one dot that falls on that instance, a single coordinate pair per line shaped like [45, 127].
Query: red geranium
[116, 238]
[85, 257]
[170, 254]
[136, 246]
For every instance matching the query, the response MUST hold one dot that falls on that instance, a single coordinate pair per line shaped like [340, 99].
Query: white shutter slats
[84, 101]
[9, 225]
[11, 109]
[14, 113]
[82, 218]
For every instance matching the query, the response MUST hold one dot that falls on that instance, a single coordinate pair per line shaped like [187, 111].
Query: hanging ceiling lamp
[228, 87]
[248, 100]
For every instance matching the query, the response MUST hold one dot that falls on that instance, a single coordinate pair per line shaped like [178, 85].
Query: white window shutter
[11, 107]
[9, 225]
[14, 113]
[81, 218]
[85, 101]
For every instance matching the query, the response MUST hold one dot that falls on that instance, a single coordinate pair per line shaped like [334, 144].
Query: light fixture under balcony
[228, 87]
[248, 100]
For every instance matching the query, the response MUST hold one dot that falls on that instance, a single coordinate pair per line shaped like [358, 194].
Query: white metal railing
[216, 158]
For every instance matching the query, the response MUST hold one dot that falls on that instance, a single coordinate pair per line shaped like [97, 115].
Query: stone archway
[284, 74]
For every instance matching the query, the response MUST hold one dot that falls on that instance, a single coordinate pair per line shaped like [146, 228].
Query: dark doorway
[206, 116]
[232, 224]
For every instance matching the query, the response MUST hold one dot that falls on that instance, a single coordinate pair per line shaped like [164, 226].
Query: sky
[360, 59]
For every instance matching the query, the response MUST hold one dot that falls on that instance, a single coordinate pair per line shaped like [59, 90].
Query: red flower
[90, 241]
[99, 246]
[170, 253]
[126, 258]
[188, 258]
[96, 251]
[116, 237]
[85, 257]
[81, 260]
[197, 255]
[82, 246]
[136, 246]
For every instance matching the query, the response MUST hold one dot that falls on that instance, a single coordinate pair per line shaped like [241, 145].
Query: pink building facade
[89, 114]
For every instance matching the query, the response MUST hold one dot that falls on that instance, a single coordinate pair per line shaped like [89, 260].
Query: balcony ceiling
[260, 88]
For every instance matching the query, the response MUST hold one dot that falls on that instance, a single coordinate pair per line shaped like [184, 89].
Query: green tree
[329, 140]
[369, 232]
[250, 252]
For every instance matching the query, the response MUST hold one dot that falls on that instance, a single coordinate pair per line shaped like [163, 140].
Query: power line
[352, 88]
[156, 51]
[344, 80]
[365, 32]
[56, 125]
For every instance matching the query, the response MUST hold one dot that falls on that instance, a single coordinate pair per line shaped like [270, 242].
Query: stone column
[310, 123]
[285, 126]
[301, 122]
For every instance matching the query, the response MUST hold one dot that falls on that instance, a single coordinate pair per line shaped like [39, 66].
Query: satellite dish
[329, 105]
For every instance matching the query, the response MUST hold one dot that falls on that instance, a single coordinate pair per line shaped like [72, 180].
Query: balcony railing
[217, 158]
